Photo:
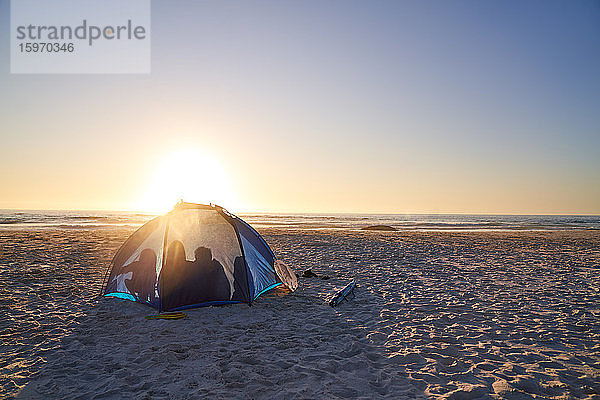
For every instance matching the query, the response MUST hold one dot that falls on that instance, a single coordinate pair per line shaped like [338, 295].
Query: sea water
[420, 222]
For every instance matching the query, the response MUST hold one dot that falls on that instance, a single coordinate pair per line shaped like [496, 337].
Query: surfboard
[340, 295]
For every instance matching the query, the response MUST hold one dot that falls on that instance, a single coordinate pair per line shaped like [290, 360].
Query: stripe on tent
[269, 288]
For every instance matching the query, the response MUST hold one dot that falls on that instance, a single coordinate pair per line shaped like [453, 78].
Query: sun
[188, 175]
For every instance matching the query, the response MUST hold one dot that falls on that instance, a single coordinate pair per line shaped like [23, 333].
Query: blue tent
[196, 255]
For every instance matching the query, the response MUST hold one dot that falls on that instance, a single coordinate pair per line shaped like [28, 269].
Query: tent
[196, 255]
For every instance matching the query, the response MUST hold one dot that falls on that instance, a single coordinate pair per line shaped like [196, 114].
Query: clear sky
[322, 106]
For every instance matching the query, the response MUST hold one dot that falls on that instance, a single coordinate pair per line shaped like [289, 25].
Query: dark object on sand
[309, 274]
[340, 295]
[379, 228]
[196, 255]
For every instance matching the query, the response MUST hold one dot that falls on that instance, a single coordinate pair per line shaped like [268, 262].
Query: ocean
[11, 219]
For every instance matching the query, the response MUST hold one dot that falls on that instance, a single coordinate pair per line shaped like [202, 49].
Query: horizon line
[313, 212]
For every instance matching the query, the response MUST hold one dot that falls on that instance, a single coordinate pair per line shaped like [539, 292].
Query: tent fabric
[260, 256]
[196, 255]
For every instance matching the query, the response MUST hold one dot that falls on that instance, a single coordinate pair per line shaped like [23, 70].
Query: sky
[312, 106]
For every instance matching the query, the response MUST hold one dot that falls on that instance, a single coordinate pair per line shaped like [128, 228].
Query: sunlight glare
[188, 175]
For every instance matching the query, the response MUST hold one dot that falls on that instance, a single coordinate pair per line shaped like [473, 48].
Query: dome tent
[196, 255]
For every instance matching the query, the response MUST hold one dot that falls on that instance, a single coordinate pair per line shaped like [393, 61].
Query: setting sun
[190, 175]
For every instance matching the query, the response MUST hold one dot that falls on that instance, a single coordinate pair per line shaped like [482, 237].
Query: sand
[442, 315]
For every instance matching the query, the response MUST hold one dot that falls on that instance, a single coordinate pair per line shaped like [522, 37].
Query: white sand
[457, 315]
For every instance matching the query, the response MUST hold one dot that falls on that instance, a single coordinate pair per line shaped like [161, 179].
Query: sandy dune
[457, 315]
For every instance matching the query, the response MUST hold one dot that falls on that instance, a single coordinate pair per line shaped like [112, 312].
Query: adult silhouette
[172, 276]
[143, 276]
[208, 277]
[240, 278]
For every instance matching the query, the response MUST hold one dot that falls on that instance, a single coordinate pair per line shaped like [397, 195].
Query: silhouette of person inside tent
[240, 277]
[209, 275]
[143, 279]
[192, 282]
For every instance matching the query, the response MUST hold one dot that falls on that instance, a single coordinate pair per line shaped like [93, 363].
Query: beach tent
[196, 255]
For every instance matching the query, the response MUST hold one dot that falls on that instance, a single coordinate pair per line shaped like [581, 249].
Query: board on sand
[167, 315]
[340, 295]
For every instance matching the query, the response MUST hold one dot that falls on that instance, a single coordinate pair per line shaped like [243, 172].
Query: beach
[437, 314]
